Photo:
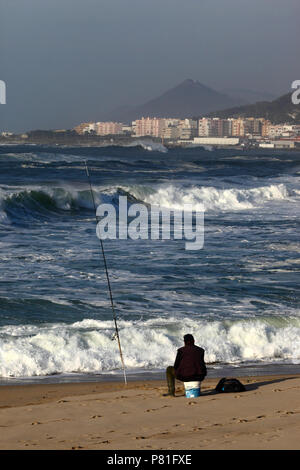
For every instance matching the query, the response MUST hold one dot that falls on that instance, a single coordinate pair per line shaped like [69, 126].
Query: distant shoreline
[133, 143]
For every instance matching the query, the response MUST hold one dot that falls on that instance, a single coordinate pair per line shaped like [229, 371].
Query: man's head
[188, 339]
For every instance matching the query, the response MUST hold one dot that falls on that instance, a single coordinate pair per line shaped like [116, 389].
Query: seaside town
[205, 131]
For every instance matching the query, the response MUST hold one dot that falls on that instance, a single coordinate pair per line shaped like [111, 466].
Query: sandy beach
[113, 416]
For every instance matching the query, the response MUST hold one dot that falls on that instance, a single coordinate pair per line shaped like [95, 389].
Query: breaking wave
[37, 201]
[87, 346]
[216, 199]
[148, 145]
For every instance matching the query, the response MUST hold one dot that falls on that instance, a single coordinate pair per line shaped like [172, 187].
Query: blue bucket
[192, 389]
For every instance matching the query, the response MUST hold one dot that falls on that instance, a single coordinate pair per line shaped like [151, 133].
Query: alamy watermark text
[296, 94]
[2, 92]
[140, 221]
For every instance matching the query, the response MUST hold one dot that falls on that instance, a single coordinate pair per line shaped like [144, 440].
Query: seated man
[189, 365]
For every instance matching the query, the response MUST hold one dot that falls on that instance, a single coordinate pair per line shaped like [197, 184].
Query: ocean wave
[37, 201]
[148, 145]
[87, 347]
[216, 199]
[18, 202]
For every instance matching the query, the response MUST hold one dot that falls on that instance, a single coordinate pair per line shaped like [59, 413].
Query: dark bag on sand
[229, 385]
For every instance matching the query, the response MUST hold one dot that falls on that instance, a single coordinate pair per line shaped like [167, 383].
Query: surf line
[117, 336]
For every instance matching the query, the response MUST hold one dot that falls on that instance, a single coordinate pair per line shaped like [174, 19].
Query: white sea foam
[214, 198]
[171, 196]
[87, 346]
[149, 145]
[285, 247]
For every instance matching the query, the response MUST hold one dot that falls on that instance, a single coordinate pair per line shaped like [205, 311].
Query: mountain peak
[189, 81]
[188, 99]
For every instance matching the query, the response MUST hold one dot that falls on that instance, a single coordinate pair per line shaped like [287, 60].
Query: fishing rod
[108, 280]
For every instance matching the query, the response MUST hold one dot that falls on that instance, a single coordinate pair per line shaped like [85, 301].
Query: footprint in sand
[156, 409]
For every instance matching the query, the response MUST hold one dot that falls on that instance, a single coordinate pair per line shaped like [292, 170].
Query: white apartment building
[188, 129]
[204, 127]
[100, 128]
[149, 126]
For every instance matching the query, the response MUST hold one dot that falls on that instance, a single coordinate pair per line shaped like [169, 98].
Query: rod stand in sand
[117, 336]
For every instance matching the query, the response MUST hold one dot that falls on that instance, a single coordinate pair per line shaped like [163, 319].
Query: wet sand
[112, 416]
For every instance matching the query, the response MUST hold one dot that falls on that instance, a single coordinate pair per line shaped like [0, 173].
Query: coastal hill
[247, 96]
[188, 99]
[277, 111]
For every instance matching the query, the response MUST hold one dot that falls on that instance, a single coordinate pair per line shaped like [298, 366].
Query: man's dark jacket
[189, 363]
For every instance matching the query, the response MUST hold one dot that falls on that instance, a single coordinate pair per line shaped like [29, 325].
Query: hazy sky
[66, 61]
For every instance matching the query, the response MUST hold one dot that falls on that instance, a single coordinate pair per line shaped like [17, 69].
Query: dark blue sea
[239, 295]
